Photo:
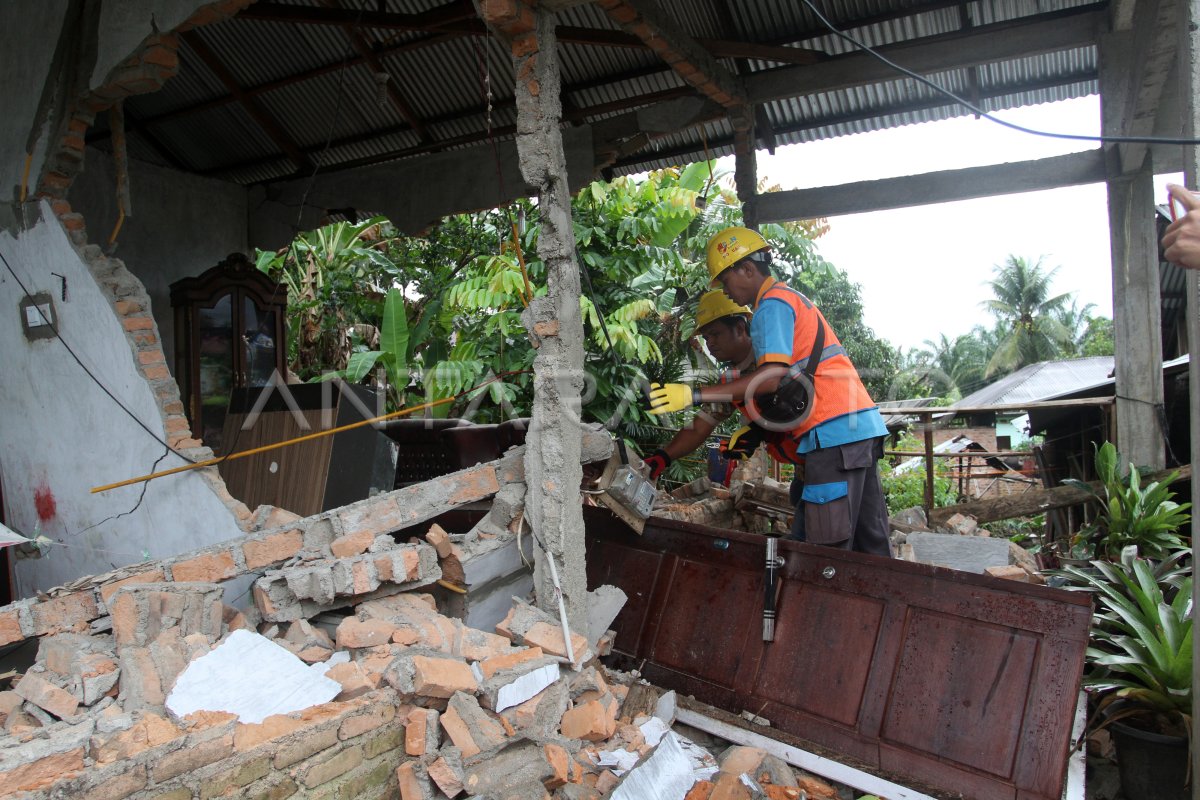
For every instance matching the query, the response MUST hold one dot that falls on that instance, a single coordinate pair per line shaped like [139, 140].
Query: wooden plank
[932, 187]
[797, 757]
[671, 43]
[1036, 501]
[952, 680]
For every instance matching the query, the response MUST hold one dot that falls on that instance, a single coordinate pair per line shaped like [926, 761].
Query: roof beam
[363, 48]
[456, 16]
[938, 101]
[932, 187]
[697, 67]
[1027, 36]
[265, 121]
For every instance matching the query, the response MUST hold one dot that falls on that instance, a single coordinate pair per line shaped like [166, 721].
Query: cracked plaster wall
[60, 435]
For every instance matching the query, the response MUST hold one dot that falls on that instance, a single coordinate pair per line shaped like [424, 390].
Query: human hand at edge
[1181, 240]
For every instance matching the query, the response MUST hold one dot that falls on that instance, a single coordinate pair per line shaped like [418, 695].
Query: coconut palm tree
[1023, 306]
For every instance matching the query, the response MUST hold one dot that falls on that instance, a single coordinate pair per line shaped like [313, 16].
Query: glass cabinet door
[215, 366]
[258, 343]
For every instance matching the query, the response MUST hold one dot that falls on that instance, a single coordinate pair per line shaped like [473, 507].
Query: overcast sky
[924, 270]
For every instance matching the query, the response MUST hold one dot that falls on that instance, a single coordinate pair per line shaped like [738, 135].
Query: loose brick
[446, 772]
[440, 540]
[47, 696]
[490, 666]
[558, 759]
[10, 628]
[469, 727]
[353, 544]
[71, 612]
[411, 787]
[209, 568]
[442, 677]
[590, 721]
[333, 767]
[355, 682]
[353, 632]
[273, 549]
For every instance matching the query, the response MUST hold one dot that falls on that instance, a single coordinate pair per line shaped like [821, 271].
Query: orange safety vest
[780, 446]
[838, 390]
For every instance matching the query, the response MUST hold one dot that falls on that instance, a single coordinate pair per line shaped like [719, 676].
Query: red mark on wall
[43, 501]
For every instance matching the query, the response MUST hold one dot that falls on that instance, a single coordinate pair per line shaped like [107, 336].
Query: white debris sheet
[670, 771]
[251, 676]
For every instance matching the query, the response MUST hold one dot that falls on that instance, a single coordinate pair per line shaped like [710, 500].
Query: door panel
[959, 681]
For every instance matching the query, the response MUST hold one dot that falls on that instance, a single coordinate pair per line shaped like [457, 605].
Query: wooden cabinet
[229, 334]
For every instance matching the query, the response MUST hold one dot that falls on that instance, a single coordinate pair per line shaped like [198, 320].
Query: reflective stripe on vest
[838, 389]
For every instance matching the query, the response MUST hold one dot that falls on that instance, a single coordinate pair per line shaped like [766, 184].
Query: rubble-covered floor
[416, 705]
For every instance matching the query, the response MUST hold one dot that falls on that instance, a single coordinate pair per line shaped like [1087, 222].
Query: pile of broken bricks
[402, 701]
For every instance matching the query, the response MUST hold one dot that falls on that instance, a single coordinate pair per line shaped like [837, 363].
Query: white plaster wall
[181, 225]
[60, 433]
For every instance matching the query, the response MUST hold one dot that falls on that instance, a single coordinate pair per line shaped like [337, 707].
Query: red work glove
[657, 462]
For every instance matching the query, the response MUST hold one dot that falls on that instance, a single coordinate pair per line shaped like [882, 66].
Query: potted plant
[1140, 666]
[1129, 514]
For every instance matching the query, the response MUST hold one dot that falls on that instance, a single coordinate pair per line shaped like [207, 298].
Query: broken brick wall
[68, 433]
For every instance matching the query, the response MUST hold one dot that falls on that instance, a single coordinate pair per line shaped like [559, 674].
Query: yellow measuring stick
[242, 454]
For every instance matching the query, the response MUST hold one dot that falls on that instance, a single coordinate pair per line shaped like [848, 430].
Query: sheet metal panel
[955, 680]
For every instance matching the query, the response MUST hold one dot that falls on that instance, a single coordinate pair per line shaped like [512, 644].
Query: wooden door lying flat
[957, 681]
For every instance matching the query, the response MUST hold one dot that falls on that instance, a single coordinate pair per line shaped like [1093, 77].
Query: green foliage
[1129, 514]
[440, 313]
[1023, 301]
[1141, 638]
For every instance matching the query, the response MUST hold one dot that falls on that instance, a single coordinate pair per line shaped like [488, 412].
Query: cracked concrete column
[552, 469]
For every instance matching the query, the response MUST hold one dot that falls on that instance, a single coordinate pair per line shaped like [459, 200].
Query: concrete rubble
[759, 504]
[421, 706]
[350, 672]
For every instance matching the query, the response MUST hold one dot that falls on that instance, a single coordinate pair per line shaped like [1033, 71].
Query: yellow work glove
[743, 442]
[668, 397]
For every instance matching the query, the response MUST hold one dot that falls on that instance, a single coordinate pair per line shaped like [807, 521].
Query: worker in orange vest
[725, 327]
[804, 386]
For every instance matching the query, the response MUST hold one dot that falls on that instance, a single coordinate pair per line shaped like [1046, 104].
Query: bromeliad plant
[1146, 517]
[1141, 638]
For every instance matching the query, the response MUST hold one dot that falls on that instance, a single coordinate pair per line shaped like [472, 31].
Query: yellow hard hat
[714, 305]
[729, 247]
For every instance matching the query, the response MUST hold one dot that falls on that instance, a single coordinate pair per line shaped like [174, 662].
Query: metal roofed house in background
[1042, 381]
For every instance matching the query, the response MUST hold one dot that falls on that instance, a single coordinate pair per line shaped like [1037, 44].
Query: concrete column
[552, 469]
[745, 172]
[1137, 327]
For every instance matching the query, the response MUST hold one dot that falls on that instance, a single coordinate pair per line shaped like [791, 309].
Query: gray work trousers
[840, 501]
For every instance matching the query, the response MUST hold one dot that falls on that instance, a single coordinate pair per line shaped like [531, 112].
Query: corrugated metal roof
[309, 82]
[1043, 381]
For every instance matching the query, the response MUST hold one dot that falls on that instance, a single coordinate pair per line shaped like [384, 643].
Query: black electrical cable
[974, 109]
[90, 374]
